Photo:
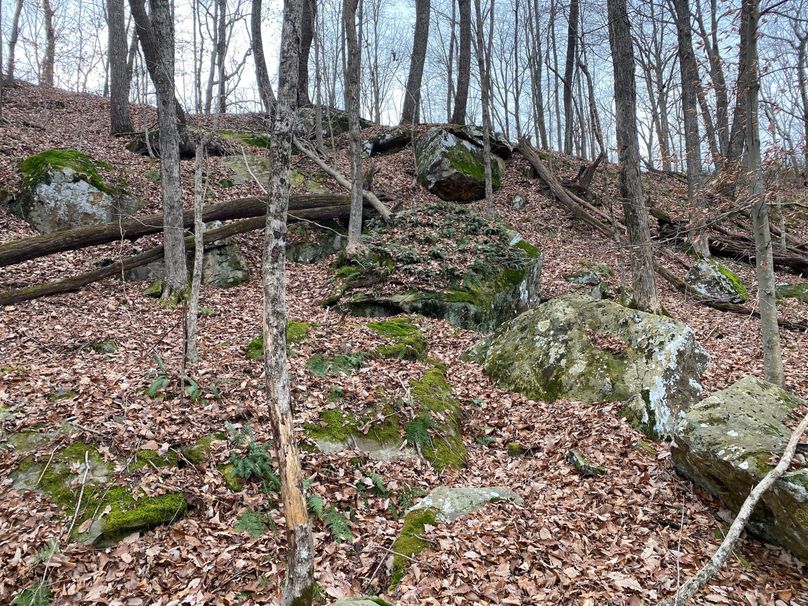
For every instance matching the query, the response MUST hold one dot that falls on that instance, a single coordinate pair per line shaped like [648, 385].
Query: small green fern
[338, 525]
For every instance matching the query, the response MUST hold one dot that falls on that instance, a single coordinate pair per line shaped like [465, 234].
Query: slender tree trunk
[120, 120]
[162, 24]
[191, 353]
[12, 40]
[261, 72]
[450, 63]
[299, 588]
[306, 37]
[410, 113]
[737, 135]
[352, 79]
[463, 64]
[483, 66]
[536, 74]
[764, 262]
[628, 151]
[221, 54]
[569, 70]
[690, 76]
[802, 81]
[50, 45]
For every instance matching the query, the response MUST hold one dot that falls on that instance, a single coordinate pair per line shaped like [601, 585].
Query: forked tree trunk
[352, 74]
[119, 79]
[764, 263]
[299, 588]
[628, 151]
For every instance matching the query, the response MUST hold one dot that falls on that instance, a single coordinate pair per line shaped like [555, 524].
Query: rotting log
[314, 207]
[74, 283]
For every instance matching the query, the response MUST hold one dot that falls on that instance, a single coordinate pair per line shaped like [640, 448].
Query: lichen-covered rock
[518, 202]
[444, 261]
[577, 348]
[796, 290]
[63, 189]
[500, 146]
[452, 167]
[388, 141]
[443, 504]
[726, 447]
[223, 266]
[711, 278]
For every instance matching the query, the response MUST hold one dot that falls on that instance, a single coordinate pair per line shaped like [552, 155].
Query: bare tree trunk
[410, 113]
[191, 354]
[120, 120]
[737, 135]
[162, 24]
[463, 64]
[50, 45]
[12, 40]
[764, 262]
[690, 77]
[261, 72]
[628, 151]
[802, 81]
[306, 37]
[352, 73]
[221, 53]
[299, 588]
[572, 39]
[535, 61]
[483, 65]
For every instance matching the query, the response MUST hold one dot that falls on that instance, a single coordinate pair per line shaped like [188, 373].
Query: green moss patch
[409, 342]
[152, 458]
[199, 452]
[320, 365]
[798, 290]
[735, 280]
[411, 541]
[128, 515]
[34, 169]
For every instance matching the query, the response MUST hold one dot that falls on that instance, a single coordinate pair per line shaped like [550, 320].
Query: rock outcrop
[477, 273]
[63, 189]
[578, 348]
[727, 445]
[452, 167]
[388, 141]
[711, 278]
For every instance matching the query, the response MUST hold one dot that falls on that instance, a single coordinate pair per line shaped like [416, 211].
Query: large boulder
[223, 265]
[577, 348]
[452, 167]
[726, 447]
[500, 146]
[711, 278]
[388, 141]
[63, 189]
[444, 261]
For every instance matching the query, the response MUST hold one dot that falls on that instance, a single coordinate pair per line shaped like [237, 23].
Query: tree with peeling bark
[299, 588]
[352, 77]
[628, 151]
[764, 262]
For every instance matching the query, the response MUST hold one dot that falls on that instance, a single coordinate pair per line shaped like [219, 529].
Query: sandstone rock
[726, 447]
[577, 348]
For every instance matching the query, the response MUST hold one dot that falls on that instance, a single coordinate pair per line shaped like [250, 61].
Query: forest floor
[628, 537]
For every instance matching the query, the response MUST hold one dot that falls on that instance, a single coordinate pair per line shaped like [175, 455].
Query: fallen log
[613, 229]
[305, 206]
[37, 291]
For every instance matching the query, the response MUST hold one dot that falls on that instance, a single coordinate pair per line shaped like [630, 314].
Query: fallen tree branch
[694, 585]
[75, 283]
[317, 206]
[369, 196]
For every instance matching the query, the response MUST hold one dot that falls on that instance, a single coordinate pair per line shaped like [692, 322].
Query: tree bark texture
[352, 79]
[119, 79]
[12, 40]
[463, 64]
[569, 70]
[261, 72]
[410, 113]
[628, 151]
[50, 44]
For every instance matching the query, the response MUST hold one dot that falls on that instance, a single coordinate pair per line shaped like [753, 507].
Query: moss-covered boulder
[388, 141]
[309, 244]
[726, 447]
[452, 167]
[711, 278]
[578, 348]
[444, 261]
[796, 290]
[77, 478]
[500, 146]
[443, 504]
[407, 340]
[429, 423]
[64, 188]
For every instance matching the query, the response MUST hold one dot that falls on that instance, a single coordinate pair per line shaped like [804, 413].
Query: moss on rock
[128, 515]
[199, 452]
[411, 541]
[34, 169]
[409, 342]
[152, 458]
